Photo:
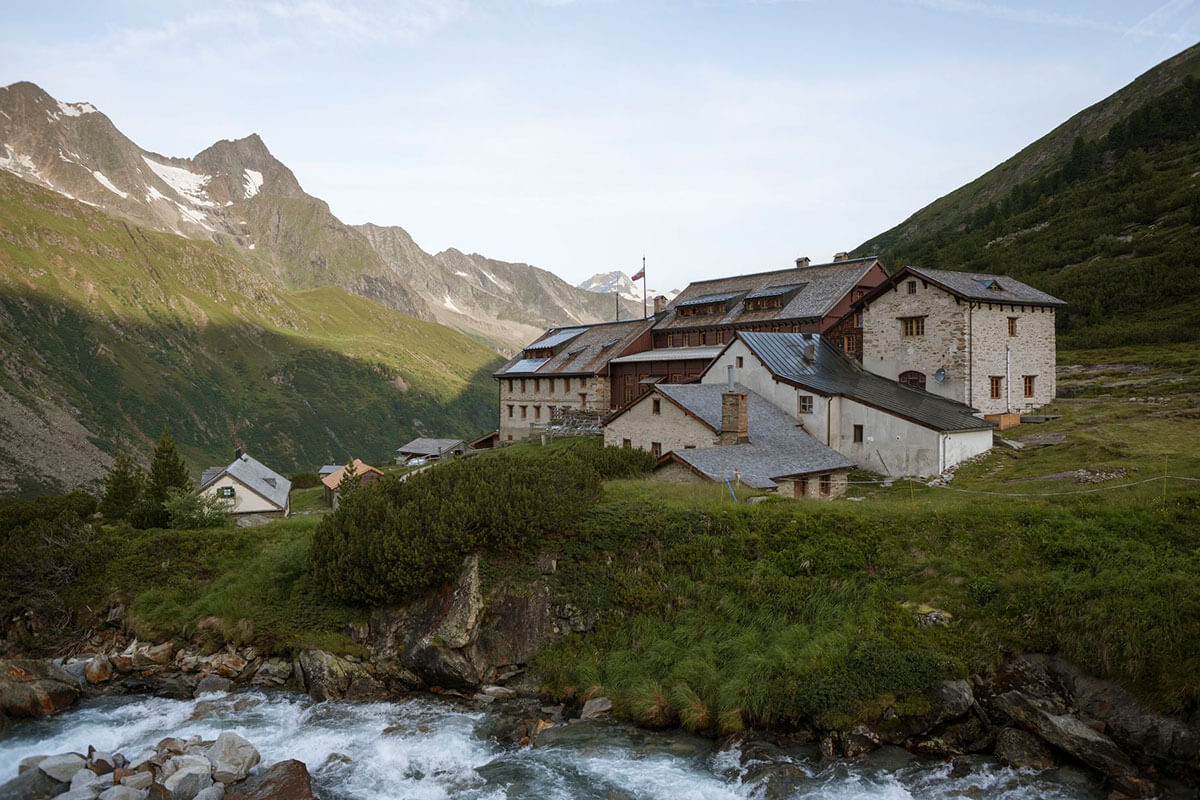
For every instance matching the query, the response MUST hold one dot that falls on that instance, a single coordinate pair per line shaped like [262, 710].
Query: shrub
[305, 480]
[394, 538]
[186, 509]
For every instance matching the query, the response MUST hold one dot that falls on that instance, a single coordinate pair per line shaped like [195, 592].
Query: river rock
[1070, 734]
[62, 768]
[30, 785]
[29, 763]
[153, 655]
[272, 672]
[328, 677]
[499, 692]
[214, 792]
[287, 780]
[597, 708]
[1022, 750]
[35, 688]
[86, 780]
[185, 761]
[138, 780]
[947, 701]
[859, 740]
[122, 792]
[186, 782]
[232, 757]
[98, 670]
[101, 762]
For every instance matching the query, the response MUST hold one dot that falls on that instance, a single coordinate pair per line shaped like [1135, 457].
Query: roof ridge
[785, 269]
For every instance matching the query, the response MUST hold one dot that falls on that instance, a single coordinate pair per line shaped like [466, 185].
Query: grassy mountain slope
[109, 331]
[1103, 212]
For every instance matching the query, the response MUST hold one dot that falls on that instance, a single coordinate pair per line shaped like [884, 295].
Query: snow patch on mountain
[190, 185]
[20, 164]
[76, 109]
[103, 180]
[252, 183]
[448, 303]
[617, 281]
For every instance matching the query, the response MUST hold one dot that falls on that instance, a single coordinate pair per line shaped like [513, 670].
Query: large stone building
[565, 370]
[983, 340]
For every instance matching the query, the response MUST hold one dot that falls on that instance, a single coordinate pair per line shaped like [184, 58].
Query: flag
[639, 276]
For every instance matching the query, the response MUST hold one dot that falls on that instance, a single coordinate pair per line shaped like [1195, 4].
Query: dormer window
[991, 284]
[772, 297]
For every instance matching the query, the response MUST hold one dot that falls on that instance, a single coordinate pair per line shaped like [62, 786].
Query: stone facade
[970, 340]
[815, 487]
[670, 427]
[525, 402]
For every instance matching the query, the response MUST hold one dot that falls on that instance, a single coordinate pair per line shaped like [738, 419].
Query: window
[805, 404]
[997, 384]
[510, 437]
[524, 412]
[626, 444]
[582, 401]
[510, 385]
[912, 326]
[537, 384]
[510, 410]
[656, 406]
[656, 448]
[689, 447]
[858, 319]
[1030, 380]
[522, 386]
[225, 491]
[913, 378]
[858, 434]
[912, 287]
[1012, 326]
[537, 412]
[802, 487]
[740, 362]
[826, 484]
[703, 337]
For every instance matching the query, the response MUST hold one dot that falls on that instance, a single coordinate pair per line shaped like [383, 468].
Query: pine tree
[122, 489]
[167, 471]
[351, 480]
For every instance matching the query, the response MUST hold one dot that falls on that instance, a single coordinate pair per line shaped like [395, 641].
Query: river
[427, 748]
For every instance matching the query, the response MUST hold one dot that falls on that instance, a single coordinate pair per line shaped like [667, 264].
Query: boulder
[138, 780]
[1071, 735]
[30, 785]
[101, 762]
[185, 761]
[287, 780]
[272, 672]
[597, 708]
[1022, 750]
[920, 714]
[232, 757]
[62, 768]
[87, 781]
[214, 792]
[29, 763]
[187, 782]
[499, 692]
[328, 677]
[858, 741]
[227, 665]
[34, 688]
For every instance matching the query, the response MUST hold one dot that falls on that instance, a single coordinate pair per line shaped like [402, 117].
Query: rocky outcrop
[460, 639]
[1022, 750]
[34, 688]
[330, 677]
[287, 780]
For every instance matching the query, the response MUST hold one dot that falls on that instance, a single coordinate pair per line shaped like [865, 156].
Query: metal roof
[708, 298]
[670, 354]
[255, 476]
[589, 351]
[778, 446]
[556, 337]
[830, 372]
[985, 287]
[430, 447]
[823, 286]
[775, 291]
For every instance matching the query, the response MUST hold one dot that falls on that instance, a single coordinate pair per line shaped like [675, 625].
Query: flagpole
[644, 314]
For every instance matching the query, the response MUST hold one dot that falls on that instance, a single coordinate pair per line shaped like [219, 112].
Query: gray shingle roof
[557, 337]
[430, 447]
[254, 475]
[778, 446]
[988, 288]
[820, 288]
[585, 353]
[831, 373]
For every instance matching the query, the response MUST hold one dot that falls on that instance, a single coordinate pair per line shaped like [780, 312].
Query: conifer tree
[351, 480]
[167, 471]
[122, 488]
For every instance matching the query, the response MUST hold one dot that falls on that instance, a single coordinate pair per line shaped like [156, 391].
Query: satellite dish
[940, 375]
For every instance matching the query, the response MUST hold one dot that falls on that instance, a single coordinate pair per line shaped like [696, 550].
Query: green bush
[186, 509]
[394, 538]
[305, 480]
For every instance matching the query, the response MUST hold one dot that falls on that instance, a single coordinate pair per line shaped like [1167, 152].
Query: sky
[712, 137]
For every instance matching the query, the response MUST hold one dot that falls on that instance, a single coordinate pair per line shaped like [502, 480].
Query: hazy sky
[711, 136]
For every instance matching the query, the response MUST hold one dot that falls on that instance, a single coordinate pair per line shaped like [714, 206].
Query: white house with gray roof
[247, 486]
[983, 340]
[881, 425]
[727, 434]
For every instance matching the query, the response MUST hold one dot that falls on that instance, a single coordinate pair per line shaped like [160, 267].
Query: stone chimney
[237, 454]
[660, 304]
[735, 425]
[802, 262]
[843, 256]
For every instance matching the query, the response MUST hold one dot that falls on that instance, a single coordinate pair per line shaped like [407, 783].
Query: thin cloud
[1036, 16]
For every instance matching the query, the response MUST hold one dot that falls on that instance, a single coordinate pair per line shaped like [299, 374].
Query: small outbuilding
[424, 451]
[486, 442]
[247, 486]
[332, 482]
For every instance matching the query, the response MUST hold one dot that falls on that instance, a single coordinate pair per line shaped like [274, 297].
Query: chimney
[237, 454]
[735, 427]
[660, 304]
[802, 262]
[810, 352]
[843, 256]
